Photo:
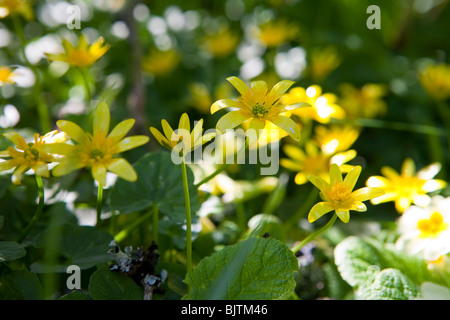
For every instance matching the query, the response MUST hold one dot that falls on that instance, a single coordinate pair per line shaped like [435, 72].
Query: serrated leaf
[83, 246]
[253, 269]
[390, 284]
[10, 250]
[109, 285]
[159, 183]
[21, 285]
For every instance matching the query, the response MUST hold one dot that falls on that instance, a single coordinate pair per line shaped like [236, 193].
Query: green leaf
[357, 258]
[83, 246]
[390, 284]
[109, 285]
[21, 285]
[159, 183]
[253, 269]
[433, 291]
[11, 251]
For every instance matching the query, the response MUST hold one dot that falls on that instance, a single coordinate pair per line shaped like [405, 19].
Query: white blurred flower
[426, 230]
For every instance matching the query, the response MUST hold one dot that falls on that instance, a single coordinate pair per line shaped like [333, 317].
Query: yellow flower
[335, 138]
[435, 79]
[97, 150]
[22, 7]
[407, 187]
[323, 105]
[364, 102]
[31, 155]
[159, 63]
[183, 139]
[338, 194]
[83, 55]
[6, 75]
[258, 106]
[276, 32]
[314, 162]
[221, 43]
[322, 62]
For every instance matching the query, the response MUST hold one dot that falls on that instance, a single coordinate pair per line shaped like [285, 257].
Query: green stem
[222, 168]
[393, 125]
[99, 203]
[314, 234]
[124, 233]
[38, 212]
[86, 86]
[188, 217]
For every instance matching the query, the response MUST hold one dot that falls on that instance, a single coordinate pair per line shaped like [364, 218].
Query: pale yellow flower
[276, 32]
[83, 55]
[364, 102]
[99, 149]
[221, 43]
[312, 161]
[435, 79]
[160, 63]
[335, 138]
[322, 62]
[257, 105]
[30, 155]
[324, 105]
[407, 187]
[22, 7]
[338, 195]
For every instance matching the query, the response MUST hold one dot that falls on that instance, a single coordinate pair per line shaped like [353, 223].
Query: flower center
[96, 154]
[339, 195]
[31, 153]
[259, 111]
[432, 227]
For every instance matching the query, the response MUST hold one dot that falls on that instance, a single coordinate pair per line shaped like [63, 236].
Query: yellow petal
[352, 177]
[131, 142]
[291, 165]
[17, 139]
[429, 171]
[278, 90]
[343, 157]
[123, 169]
[160, 138]
[225, 103]
[6, 165]
[319, 183]
[230, 120]
[360, 207]
[335, 174]
[167, 129]
[388, 172]
[120, 130]
[184, 123]
[288, 125]
[99, 174]
[344, 215]
[17, 175]
[72, 130]
[259, 88]
[58, 148]
[294, 152]
[197, 132]
[318, 210]
[301, 178]
[254, 130]
[408, 167]
[41, 169]
[101, 119]
[366, 193]
[402, 203]
[433, 185]
[67, 165]
[239, 85]
[377, 182]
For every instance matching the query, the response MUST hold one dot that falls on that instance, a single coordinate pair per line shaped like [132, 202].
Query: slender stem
[38, 212]
[155, 223]
[188, 217]
[86, 86]
[315, 234]
[99, 203]
[212, 175]
[240, 211]
[393, 125]
[303, 210]
[124, 233]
